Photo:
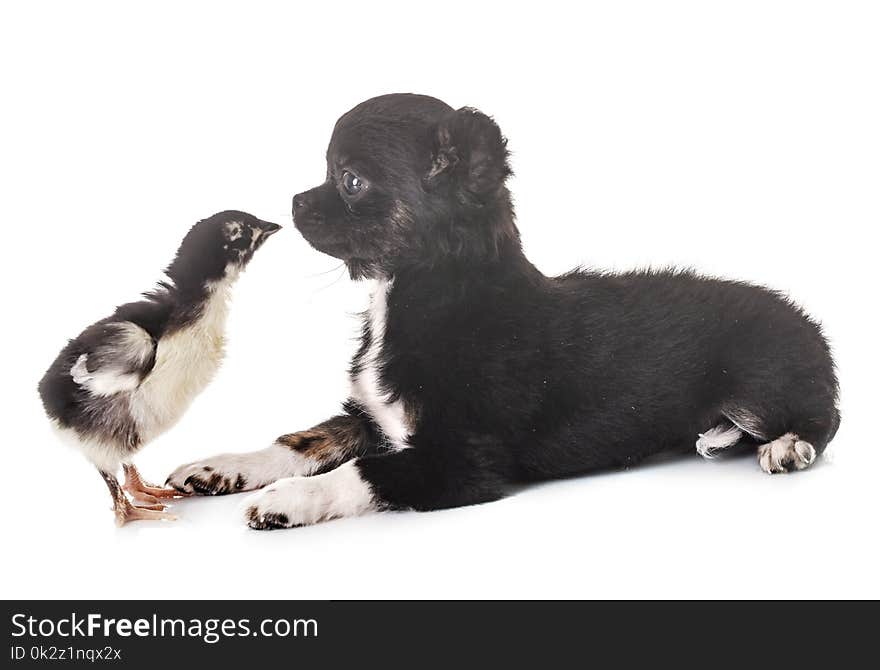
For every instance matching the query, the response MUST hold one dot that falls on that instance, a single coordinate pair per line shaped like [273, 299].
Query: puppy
[476, 371]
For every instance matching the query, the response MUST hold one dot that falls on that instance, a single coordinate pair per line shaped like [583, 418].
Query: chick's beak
[269, 228]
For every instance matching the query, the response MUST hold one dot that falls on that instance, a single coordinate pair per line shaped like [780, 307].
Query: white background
[740, 138]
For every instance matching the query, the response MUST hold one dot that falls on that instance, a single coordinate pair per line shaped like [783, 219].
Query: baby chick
[128, 378]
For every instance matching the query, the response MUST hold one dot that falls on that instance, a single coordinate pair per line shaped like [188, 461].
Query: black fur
[513, 376]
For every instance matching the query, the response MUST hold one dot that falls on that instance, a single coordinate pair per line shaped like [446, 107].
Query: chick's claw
[126, 512]
[142, 491]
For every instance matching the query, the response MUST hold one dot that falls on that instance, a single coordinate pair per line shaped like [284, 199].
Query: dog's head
[410, 180]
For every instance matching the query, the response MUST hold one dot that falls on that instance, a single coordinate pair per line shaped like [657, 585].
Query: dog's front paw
[281, 505]
[226, 473]
[231, 473]
[266, 511]
[300, 501]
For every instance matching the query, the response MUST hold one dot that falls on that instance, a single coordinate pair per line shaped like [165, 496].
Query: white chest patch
[186, 361]
[367, 388]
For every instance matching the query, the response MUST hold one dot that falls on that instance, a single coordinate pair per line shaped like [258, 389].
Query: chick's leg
[123, 508]
[142, 491]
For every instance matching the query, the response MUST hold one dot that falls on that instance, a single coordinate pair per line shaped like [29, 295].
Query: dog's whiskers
[327, 272]
[342, 273]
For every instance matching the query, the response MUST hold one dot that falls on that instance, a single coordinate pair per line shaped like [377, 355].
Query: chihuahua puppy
[476, 371]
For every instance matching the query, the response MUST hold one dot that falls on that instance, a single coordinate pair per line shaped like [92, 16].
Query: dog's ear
[470, 153]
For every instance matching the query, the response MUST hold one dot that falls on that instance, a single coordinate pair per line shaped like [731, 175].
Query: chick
[128, 378]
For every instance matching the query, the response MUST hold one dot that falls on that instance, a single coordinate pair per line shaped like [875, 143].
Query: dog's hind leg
[790, 444]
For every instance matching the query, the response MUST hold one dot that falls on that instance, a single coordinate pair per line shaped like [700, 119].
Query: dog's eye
[351, 183]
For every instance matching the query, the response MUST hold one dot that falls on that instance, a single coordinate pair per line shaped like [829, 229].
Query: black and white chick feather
[131, 376]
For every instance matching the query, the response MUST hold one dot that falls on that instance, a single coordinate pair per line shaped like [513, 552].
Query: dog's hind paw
[785, 454]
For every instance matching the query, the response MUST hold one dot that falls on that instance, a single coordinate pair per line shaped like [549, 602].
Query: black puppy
[476, 371]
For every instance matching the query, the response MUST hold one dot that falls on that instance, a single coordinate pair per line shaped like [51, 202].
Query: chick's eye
[351, 183]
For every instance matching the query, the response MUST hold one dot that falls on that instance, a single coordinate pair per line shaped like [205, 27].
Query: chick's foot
[143, 491]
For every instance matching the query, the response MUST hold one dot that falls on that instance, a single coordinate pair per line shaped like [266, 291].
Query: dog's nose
[299, 203]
